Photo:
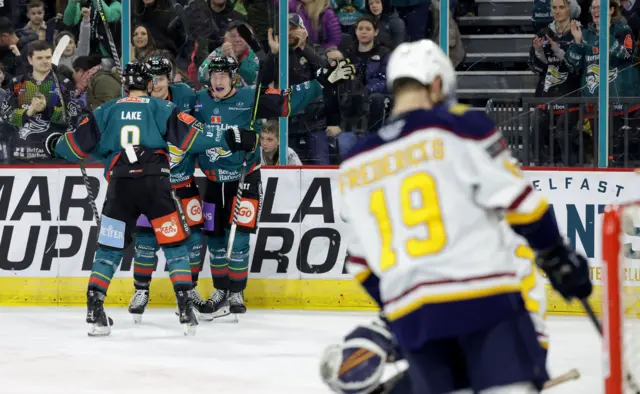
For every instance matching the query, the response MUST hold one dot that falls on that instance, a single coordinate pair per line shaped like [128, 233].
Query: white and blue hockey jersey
[425, 199]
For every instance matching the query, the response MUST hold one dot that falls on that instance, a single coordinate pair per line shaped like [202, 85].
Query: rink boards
[48, 237]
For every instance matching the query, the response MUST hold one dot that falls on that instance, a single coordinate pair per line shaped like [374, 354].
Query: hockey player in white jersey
[425, 199]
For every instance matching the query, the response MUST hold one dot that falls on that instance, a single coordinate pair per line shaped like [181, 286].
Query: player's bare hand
[333, 131]
[554, 45]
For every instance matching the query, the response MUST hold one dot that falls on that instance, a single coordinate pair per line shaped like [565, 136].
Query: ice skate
[205, 309]
[220, 303]
[236, 304]
[186, 312]
[96, 316]
[138, 304]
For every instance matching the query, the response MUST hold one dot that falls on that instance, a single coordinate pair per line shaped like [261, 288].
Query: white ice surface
[47, 351]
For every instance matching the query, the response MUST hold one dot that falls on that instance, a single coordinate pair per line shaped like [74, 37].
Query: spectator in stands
[623, 76]
[631, 12]
[143, 43]
[304, 57]
[235, 46]
[158, 17]
[224, 15]
[392, 30]
[35, 13]
[72, 51]
[320, 21]
[416, 17]
[270, 146]
[555, 77]
[12, 43]
[370, 60]
[456, 46]
[112, 10]
[34, 106]
[348, 12]
[95, 85]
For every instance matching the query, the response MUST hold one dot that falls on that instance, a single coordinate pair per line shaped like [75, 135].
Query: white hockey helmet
[423, 61]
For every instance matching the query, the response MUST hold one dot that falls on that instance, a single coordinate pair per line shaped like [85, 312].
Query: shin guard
[178, 263]
[239, 263]
[218, 264]
[104, 266]
[145, 260]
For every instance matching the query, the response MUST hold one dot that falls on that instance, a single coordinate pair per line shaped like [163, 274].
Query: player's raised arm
[77, 144]
[281, 103]
[500, 185]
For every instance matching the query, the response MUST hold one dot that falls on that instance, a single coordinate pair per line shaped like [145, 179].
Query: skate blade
[205, 316]
[137, 318]
[222, 312]
[99, 331]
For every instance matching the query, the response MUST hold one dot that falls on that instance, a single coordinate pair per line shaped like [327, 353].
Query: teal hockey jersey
[220, 165]
[145, 121]
[182, 166]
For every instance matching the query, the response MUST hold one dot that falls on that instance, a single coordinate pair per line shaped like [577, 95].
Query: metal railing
[563, 132]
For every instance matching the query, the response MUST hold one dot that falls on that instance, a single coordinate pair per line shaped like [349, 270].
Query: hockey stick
[236, 209]
[629, 379]
[55, 59]
[112, 44]
[565, 377]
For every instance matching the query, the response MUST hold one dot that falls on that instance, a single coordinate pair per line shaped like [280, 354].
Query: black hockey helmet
[160, 65]
[224, 64]
[136, 76]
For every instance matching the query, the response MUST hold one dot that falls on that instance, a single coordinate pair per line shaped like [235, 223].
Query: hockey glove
[50, 143]
[357, 364]
[248, 36]
[567, 270]
[342, 70]
[241, 139]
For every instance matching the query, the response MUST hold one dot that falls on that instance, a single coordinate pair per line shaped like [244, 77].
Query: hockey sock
[194, 245]
[145, 260]
[218, 264]
[239, 263]
[104, 266]
[178, 264]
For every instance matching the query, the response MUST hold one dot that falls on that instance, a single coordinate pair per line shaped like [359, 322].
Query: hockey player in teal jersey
[132, 136]
[185, 188]
[223, 105]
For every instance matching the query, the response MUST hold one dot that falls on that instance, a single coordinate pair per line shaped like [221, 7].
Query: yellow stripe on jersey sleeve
[520, 218]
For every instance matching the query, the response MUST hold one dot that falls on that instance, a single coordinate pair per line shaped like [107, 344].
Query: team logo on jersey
[35, 125]
[554, 77]
[217, 153]
[216, 111]
[175, 155]
[593, 77]
[216, 119]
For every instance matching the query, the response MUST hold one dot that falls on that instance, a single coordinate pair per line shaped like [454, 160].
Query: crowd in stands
[36, 100]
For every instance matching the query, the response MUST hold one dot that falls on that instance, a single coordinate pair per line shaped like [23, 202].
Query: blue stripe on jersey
[456, 119]
[452, 319]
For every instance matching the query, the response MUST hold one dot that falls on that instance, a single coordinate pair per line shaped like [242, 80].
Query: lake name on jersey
[391, 163]
[131, 115]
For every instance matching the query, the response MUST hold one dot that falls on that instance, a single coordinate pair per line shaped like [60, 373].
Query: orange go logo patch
[628, 41]
[248, 212]
[193, 210]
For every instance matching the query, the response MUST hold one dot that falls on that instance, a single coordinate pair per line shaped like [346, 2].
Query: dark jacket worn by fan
[17, 65]
[371, 67]
[31, 131]
[555, 77]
